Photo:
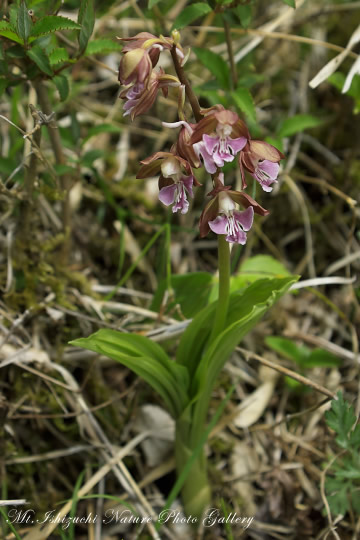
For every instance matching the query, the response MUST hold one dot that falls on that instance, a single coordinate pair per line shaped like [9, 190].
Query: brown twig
[288, 372]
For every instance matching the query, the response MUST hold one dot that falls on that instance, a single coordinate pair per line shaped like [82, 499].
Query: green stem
[196, 491]
[224, 287]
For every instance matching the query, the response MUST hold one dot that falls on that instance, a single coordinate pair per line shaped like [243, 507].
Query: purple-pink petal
[208, 160]
[238, 237]
[266, 173]
[219, 224]
[237, 144]
[269, 168]
[181, 203]
[167, 194]
[188, 182]
[245, 218]
[210, 143]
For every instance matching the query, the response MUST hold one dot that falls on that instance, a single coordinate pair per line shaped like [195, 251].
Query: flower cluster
[137, 72]
[219, 137]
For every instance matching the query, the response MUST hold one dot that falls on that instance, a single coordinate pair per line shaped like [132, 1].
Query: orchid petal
[188, 182]
[237, 144]
[219, 225]
[210, 143]
[167, 194]
[245, 218]
[264, 150]
[238, 238]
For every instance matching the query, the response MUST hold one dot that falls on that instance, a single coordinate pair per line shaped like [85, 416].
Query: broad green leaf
[61, 168]
[322, 358]
[216, 65]
[89, 157]
[13, 15]
[52, 23]
[102, 46]
[191, 293]
[245, 310]
[101, 128]
[355, 501]
[62, 84]
[260, 295]
[190, 14]
[297, 124]
[194, 339]
[24, 22]
[341, 419]
[244, 101]
[213, 96]
[339, 501]
[351, 474]
[251, 270]
[146, 359]
[265, 266]
[86, 18]
[58, 56]
[244, 14]
[153, 3]
[288, 349]
[7, 30]
[355, 437]
[38, 55]
[290, 3]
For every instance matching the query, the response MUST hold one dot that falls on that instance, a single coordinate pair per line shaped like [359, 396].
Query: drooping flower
[140, 97]
[261, 160]
[135, 67]
[219, 136]
[221, 216]
[183, 147]
[175, 181]
[153, 45]
[175, 192]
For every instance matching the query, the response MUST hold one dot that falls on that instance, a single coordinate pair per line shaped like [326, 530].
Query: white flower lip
[170, 167]
[226, 204]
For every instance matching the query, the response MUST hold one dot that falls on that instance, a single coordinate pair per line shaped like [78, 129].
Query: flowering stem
[224, 287]
[189, 91]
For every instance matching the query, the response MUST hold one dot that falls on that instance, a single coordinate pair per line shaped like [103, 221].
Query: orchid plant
[214, 137]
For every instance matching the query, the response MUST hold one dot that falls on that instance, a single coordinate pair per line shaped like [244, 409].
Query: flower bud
[135, 66]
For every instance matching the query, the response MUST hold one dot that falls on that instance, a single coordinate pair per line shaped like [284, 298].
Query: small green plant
[342, 485]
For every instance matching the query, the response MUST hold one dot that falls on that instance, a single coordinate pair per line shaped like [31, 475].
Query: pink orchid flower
[221, 216]
[176, 179]
[219, 136]
[261, 160]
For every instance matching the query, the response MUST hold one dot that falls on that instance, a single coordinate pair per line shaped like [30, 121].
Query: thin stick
[288, 372]
[280, 35]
